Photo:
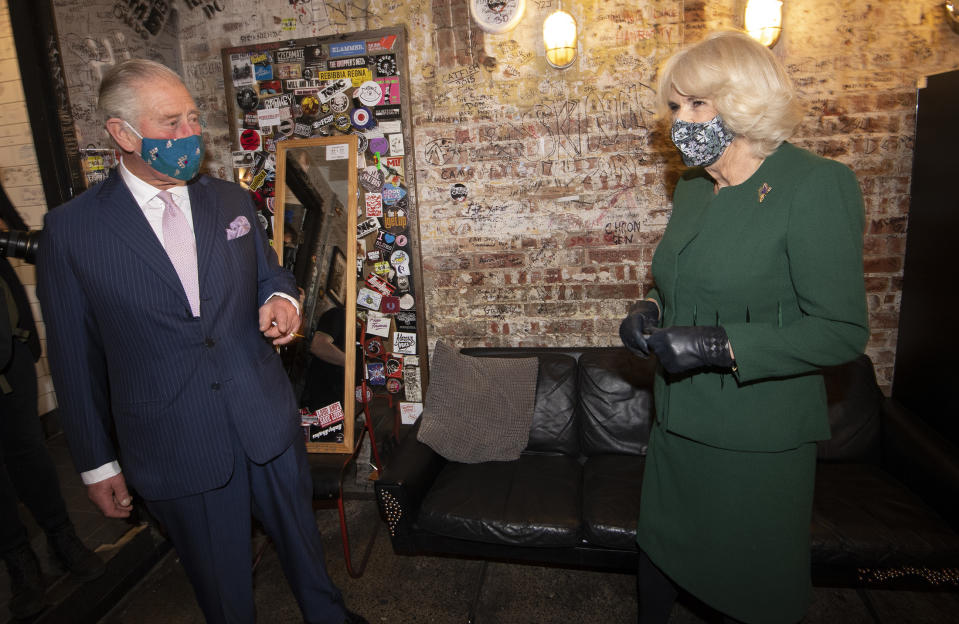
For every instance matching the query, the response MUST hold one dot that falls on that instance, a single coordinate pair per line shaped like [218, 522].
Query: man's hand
[111, 496]
[279, 320]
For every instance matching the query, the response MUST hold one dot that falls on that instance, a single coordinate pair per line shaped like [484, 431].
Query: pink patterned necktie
[180, 245]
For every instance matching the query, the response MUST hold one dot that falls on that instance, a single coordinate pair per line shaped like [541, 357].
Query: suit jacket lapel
[120, 213]
[206, 216]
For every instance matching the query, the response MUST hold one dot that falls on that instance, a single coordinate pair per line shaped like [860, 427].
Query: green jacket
[776, 261]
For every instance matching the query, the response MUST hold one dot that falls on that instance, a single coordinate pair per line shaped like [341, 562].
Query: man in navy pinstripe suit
[178, 360]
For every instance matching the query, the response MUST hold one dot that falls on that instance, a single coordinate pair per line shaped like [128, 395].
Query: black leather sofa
[886, 507]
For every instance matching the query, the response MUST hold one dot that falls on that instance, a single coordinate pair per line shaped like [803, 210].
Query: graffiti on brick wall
[209, 8]
[145, 17]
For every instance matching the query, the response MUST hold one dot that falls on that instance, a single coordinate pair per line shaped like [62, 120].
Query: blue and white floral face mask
[701, 143]
[177, 158]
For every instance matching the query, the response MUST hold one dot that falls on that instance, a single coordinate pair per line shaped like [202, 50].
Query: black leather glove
[642, 317]
[685, 348]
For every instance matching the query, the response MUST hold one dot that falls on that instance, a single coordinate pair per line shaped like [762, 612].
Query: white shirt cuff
[295, 303]
[100, 474]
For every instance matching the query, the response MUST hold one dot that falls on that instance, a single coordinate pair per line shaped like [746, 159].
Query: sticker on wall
[395, 219]
[262, 66]
[386, 113]
[250, 139]
[365, 228]
[340, 103]
[347, 63]
[369, 299]
[369, 93]
[392, 194]
[393, 386]
[314, 55]
[242, 69]
[247, 99]
[376, 373]
[374, 205]
[390, 304]
[383, 44]
[386, 65]
[406, 319]
[396, 145]
[362, 118]
[378, 324]
[371, 179]
[410, 410]
[379, 145]
[497, 16]
[404, 342]
[401, 262]
[458, 192]
[390, 87]
[347, 48]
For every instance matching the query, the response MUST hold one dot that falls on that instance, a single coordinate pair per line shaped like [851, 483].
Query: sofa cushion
[478, 409]
[533, 501]
[863, 517]
[854, 401]
[611, 489]
[615, 402]
[554, 427]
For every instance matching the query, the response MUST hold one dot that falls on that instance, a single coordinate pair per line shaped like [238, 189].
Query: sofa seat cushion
[532, 501]
[862, 516]
[611, 488]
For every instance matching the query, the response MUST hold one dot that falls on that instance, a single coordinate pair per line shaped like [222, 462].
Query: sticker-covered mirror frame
[354, 83]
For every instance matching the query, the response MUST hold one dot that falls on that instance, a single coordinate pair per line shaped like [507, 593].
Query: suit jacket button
[215, 386]
[209, 342]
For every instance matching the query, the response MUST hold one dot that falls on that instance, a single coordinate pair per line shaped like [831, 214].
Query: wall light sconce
[559, 36]
[764, 21]
[952, 12]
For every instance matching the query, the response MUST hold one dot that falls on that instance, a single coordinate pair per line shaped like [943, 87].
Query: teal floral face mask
[701, 143]
[177, 158]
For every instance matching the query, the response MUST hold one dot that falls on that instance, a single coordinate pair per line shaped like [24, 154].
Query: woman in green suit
[758, 284]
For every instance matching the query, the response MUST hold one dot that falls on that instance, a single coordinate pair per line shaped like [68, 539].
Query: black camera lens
[20, 244]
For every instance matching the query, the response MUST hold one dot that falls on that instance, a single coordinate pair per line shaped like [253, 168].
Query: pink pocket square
[239, 227]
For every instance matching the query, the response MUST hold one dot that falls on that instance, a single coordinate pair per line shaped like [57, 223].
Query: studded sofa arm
[403, 485]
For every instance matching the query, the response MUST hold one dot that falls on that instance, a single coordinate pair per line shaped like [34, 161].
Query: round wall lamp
[952, 12]
[559, 37]
[764, 21]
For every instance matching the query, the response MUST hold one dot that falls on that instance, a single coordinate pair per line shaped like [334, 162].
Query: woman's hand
[681, 349]
[642, 317]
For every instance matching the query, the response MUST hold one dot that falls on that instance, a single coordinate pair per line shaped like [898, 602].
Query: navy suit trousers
[211, 532]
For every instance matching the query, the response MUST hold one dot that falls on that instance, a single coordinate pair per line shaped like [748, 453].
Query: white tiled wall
[21, 179]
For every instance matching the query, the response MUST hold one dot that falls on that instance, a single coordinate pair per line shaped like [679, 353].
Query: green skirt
[730, 527]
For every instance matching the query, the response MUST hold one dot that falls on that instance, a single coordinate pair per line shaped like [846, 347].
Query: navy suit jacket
[126, 351]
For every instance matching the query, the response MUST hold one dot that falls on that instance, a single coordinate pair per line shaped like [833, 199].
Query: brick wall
[568, 172]
[21, 179]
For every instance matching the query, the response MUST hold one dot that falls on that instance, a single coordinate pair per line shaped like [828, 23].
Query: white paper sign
[268, 117]
[396, 145]
[410, 412]
[378, 324]
[338, 152]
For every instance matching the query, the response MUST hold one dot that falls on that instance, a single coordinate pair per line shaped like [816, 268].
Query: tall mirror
[314, 235]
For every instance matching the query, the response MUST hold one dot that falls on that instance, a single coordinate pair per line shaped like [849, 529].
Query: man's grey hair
[118, 90]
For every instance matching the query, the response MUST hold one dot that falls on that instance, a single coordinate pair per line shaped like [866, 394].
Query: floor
[145, 583]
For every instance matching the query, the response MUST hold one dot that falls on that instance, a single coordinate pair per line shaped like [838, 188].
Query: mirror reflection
[315, 213]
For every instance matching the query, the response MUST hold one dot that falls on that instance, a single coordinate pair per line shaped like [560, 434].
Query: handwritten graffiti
[559, 130]
[145, 17]
[620, 232]
[209, 7]
[99, 55]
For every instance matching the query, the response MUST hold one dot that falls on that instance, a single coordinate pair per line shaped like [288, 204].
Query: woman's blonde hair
[744, 81]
